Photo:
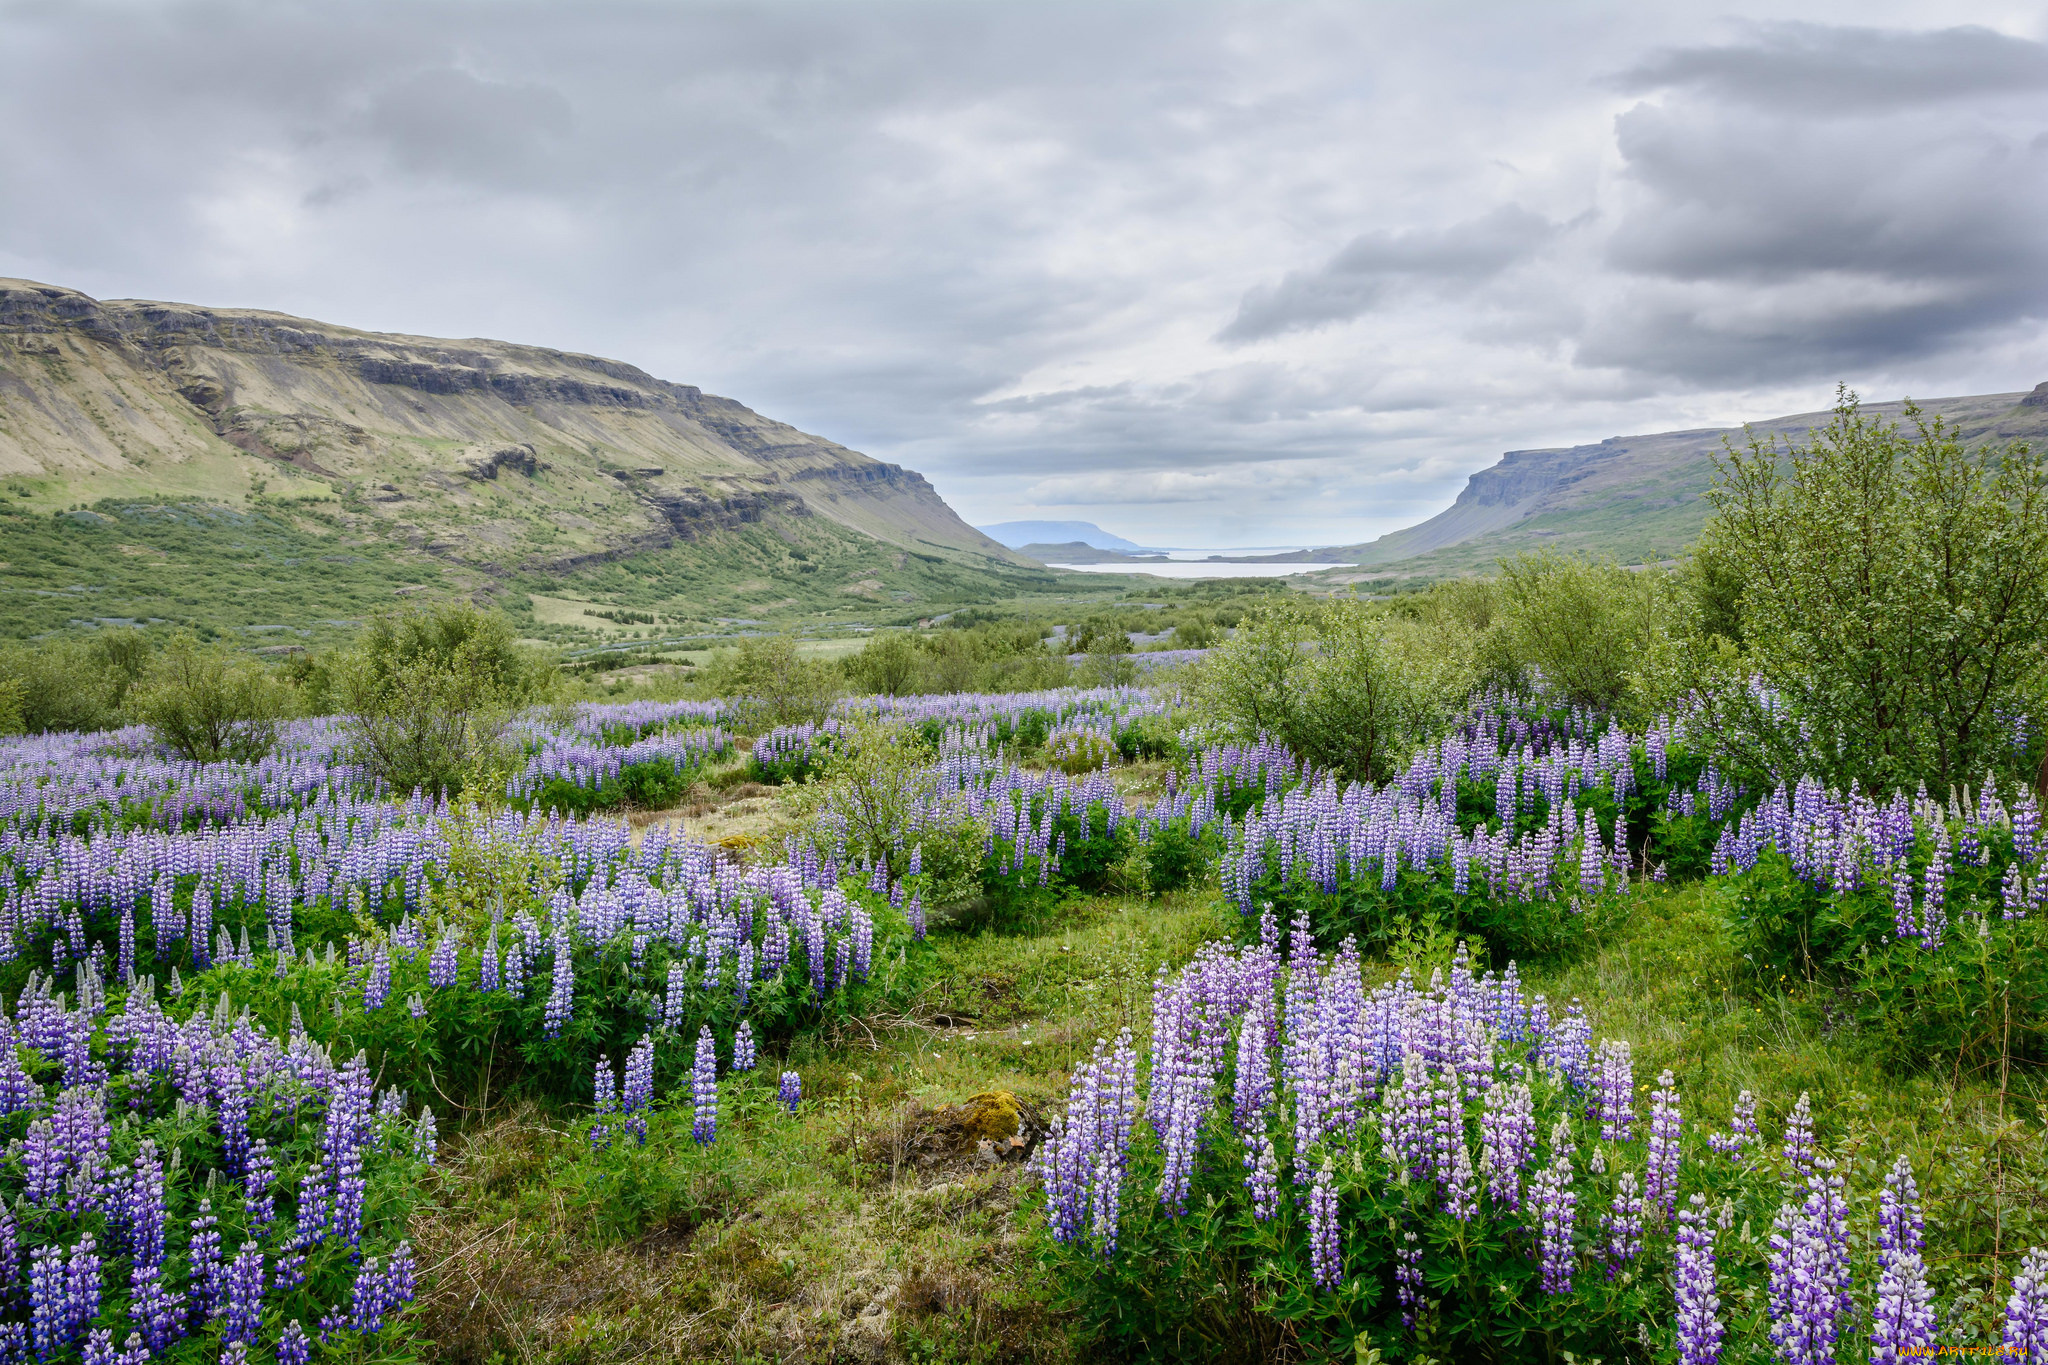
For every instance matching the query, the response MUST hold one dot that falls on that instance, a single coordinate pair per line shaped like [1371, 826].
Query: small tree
[1582, 623]
[769, 683]
[1894, 593]
[1325, 680]
[427, 694]
[207, 705]
[1107, 662]
[886, 664]
[878, 782]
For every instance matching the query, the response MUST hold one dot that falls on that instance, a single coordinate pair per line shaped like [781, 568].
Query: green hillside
[1640, 499]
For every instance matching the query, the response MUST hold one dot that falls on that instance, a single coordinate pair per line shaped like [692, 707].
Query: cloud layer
[1205, 274]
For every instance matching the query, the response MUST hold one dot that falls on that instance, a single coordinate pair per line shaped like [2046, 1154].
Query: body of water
[1189, 564]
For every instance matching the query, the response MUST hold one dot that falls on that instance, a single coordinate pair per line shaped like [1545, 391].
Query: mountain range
[486, 466]
[1018, 534]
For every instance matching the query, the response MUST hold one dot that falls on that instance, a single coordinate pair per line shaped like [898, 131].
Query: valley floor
[875, 1226]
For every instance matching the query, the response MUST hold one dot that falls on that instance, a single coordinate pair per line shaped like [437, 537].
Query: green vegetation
[206, 705]
[1894, 592]
[428, 692]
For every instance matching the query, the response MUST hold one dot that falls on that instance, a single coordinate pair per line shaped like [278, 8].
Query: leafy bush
[205, 704]
[768, 683]
[427, 694]
[1894, 597]
[1322, 679]
[984, 656]
[71, 684]
[1578, 626]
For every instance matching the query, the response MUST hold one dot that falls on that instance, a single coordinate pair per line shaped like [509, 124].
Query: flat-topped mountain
[484, 453]
[1638, 498]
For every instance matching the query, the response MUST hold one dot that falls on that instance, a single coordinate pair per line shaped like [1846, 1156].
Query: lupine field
[1558, 1044]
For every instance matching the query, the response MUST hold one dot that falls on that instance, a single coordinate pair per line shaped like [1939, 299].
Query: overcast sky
[1249, 275]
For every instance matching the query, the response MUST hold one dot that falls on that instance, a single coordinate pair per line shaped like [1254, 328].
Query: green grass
[264, 576]
[828, 1236]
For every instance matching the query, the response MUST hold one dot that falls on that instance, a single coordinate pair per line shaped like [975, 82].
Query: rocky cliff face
[1641, 496]
[483, 451]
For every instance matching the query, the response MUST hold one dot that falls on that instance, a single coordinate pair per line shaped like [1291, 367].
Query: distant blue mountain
[1017, 534]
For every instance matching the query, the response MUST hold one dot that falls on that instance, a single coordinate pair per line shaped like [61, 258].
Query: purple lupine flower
[399, 1286]
[244, 1316]
[1614, 1084]
[1507, 1141]
[1622, 1224]
[1083, 1161]
[561, 1006]
[1461, 1193]
[1263, 1180]
[1699, 1326]
[1660, 1186]
[258, 1179]
[604, 1103]
[486, 981]
[368, 1300]
[42, 1163]
[426, 1138]
[2026, 1311]
[377, 988]
[347, 1128]
[1799, 1150]
[1809, 1271]
[1741, 1129]
[1408, 1277]
[743, 1047]
[203, 1293]
[292, 1346]
[441, 965]
[515, 969]
[1554, 1203]
[81, 1286]
[1899, 1225]
[791, 1090]
[99, 1348]
[48, 1301]
[1934, 892]
[704, 1088]
[1325, 1240]
[1902, 902]
[1902, 1319]
[639, 1091]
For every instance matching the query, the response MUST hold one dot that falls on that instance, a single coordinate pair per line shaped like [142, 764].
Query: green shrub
[768, 682]
[1893, 593]
[206, 704]
[427, 694]
[1323, 679]
[1580, 625]
[72, 684]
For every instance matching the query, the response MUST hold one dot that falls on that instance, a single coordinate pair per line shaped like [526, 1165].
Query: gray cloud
[1024, 247]
[1363, 275]
[1831, 71]
[1763, 241]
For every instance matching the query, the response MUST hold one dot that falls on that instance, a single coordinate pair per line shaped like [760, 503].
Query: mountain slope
[1637, 498]
[483, 453]
[1018, 534]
